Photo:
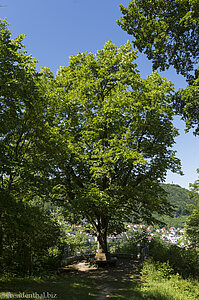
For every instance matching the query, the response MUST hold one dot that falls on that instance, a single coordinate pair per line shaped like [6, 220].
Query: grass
[153, 284]
[71, 287]
[66, 287]
[160, 283]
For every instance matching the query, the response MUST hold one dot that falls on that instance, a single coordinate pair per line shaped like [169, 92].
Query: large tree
[113, 137]
[166, 31]
[19, 115]
[21, 119]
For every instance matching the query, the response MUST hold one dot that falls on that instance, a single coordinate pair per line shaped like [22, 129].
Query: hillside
[178, 197]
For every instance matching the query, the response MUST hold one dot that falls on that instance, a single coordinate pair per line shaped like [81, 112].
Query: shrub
[159, 250]
[184, 261]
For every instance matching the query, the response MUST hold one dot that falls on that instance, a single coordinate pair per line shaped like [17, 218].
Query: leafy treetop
[113, 133]
[166, 31]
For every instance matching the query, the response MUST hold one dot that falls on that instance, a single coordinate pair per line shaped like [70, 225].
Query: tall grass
[160, 282]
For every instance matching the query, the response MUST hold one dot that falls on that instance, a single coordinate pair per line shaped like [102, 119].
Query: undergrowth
[160, 282]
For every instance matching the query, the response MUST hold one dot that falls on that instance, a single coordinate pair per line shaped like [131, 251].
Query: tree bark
[102, 227]
[1, 237]
[102, 242]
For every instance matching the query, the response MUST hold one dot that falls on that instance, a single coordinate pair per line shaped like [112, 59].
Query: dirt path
[109, 278]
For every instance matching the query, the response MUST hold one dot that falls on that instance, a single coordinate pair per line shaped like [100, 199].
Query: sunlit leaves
[114, 132]
[166, 31]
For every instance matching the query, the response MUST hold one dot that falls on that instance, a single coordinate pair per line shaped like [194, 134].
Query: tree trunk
[1, 237]
[102, 235]
[102, 241]
[101, 227]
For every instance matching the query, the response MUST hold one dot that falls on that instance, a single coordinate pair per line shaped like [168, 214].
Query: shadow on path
[84, 283]
[120, 282]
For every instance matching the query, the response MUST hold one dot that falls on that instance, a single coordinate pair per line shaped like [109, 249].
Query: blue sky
[57, 29]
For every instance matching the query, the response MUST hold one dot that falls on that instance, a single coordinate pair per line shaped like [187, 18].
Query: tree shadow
[67, 287]
[120, 282]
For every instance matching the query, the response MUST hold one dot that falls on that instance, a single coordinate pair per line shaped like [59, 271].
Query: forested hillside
[178, 197]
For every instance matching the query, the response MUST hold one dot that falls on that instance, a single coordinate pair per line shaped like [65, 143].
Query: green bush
[28, 235]
[159, 250]
[184, 261]
[164, 270]
[157, 270]
[159, 282]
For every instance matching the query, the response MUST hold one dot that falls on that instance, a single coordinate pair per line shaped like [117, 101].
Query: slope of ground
[117, 283]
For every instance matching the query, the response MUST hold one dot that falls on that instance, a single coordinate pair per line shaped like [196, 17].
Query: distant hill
[178, 197]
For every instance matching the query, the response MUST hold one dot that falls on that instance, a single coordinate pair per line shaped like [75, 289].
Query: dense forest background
[179, 198]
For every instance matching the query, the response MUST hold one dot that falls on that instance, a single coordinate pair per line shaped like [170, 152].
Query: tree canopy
[166, 31]
[187, 103]
[26, 232]
[113, 133]
[18, 107]
[96, 138]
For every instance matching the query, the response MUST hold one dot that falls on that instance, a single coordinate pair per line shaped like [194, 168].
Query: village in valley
[172, 235]
[134, 232]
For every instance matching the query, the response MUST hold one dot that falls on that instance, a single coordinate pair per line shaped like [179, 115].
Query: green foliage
[133, 286]
[126, 244]
[159, 250]
[31, 241]
[20, 99]
[167, 32]
[113, 133]
[164, 270]
[129, 246]
[157, 270]
[178, 197]
[192, 227]
[184, 261]
[187, 104]
[192, 224]
[96, 139]
[26, 232]
[78, 243]
[161, 283]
